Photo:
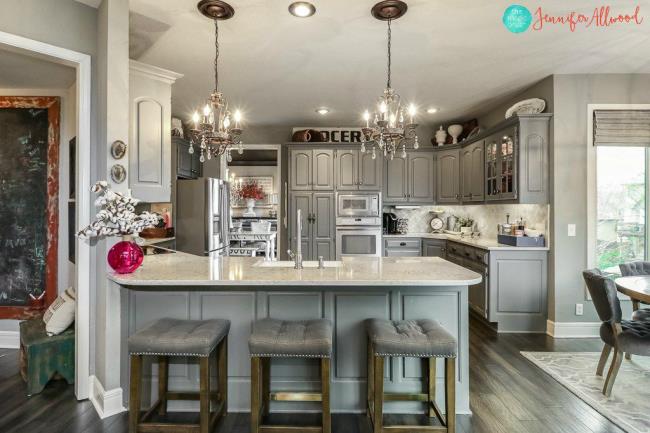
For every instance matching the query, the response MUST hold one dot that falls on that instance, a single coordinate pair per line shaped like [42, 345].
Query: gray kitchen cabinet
[433, 247]
[356, 170]
[318, 224]
[402, 247]
[150, 148]
[447, 176]
[409, 180]
[312, 169]
[188, 165]
[472, 167]
[420, 178]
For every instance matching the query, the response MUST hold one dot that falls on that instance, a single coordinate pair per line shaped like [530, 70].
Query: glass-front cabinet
[501, 165]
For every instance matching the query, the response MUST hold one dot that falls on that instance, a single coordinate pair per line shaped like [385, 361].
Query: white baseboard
[9, 339]
[107, 403]
[573, 329]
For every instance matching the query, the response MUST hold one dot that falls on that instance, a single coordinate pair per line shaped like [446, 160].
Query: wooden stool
[288, 339]
[42, 357]
[187, 338]
[424, 339]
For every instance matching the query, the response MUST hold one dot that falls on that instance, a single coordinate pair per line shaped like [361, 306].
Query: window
[621, 205]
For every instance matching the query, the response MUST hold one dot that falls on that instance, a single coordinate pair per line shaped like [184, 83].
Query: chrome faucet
[297, 256]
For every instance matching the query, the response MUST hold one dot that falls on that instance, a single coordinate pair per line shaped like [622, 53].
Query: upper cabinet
[356, 170]
[472, 172]
[150, 132]
[188, 165]
[312, 169]
[448, 176]
[410, 179]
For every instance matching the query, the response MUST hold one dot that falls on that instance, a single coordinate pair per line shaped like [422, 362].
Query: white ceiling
[22, 71]
[454, 55]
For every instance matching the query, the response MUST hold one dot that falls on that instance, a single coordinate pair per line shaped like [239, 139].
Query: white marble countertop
[146, 242]
[181, 269]
[483, 243]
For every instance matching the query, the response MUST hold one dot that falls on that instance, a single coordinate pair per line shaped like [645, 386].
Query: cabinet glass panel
[507, 156]
[491, 167]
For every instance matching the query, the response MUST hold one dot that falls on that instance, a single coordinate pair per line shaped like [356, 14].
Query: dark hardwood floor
[508, 394]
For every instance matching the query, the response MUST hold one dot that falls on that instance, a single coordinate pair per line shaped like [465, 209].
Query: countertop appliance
[358, 236]
[357, 204]
[203, 216]
[390, 223]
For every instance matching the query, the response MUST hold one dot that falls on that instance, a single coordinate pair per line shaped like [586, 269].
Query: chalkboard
[29, 162]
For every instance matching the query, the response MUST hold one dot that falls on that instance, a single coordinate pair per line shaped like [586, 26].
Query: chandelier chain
[216, 57]
[389, 53]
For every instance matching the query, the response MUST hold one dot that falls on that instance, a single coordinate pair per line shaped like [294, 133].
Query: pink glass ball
[125, 257]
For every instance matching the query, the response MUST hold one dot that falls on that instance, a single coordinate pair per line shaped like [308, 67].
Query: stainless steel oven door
[361, 205]
[358, 241]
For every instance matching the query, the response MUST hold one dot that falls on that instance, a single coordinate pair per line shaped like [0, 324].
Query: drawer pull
[402, 244]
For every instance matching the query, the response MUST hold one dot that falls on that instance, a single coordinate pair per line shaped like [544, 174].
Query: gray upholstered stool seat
[286, 339]
[412, 338]
[173, 337]
[643, 314]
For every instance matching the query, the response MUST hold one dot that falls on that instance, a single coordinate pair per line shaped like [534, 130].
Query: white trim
[9, 339]
[106, 403]
[151, 71]
[573, 329]
[82, 63]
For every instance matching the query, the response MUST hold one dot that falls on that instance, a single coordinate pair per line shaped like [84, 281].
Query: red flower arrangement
[252, 191]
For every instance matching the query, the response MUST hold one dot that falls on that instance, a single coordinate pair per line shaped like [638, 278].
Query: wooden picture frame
[52, 104]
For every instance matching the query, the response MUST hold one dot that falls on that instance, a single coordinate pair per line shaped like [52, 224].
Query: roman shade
[622, 128]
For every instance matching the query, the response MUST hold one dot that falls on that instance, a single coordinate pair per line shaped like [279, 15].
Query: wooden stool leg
[266, 385]
[255, 394]
[431, 385]
[163, 383]
[204, 396]
[134, 393]
[450, 394]
[613, 371]
[222, 371]
[378, 409]
[370, 378]
[603, 359]
[325, 392]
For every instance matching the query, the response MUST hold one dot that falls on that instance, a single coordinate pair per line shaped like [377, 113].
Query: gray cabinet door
[420, 174]
[347, 169]
[302, 201]
[323, 226]
[478, 293]
[323, 170]
[395, 188]
[433, 248]
[370, 172]
[448, 172]
[301, 169]
[466, 173]
[472, 168]
[183, 158]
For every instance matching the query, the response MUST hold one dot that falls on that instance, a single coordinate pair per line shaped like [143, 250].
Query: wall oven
[358, 236]
[357, 205]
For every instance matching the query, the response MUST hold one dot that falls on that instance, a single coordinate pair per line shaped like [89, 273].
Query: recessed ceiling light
[432, 110]
[322, 110]
[302, 9]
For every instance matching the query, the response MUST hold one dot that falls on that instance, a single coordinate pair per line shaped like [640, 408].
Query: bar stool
[424, 339]
[188, 338]
[273, 338]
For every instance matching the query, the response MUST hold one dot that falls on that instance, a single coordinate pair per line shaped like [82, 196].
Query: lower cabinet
[318, 224]
[402, 247]
[433, 247]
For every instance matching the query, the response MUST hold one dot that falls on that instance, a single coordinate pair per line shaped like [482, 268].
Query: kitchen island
[243, 289]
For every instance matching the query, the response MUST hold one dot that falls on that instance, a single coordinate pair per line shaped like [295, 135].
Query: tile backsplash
[486, 217]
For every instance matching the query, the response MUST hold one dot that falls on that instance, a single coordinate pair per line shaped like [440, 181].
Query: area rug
[629, 405]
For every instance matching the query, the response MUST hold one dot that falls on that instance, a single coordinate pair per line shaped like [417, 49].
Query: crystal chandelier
[390, 127]
[216, 130]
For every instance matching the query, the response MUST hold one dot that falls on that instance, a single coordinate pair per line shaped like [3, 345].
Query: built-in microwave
[357, 204]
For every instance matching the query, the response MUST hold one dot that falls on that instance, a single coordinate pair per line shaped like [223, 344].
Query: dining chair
[632, 269]
[624, 336]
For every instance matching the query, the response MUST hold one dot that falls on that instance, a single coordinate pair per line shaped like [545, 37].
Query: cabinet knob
[402, 244]
[360, 182]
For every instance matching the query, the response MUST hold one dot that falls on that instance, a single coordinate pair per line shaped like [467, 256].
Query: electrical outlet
[571, 230]
[579, 310]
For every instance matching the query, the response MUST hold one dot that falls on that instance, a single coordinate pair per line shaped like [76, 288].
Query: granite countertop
[154, 241]
[483, 243]
[181, 269]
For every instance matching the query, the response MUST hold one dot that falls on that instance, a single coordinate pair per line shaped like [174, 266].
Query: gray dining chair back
[634, 268]
[603, 294]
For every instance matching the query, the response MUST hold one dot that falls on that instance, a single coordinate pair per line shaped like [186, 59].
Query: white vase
[441, 136]
[250, 207]
[455, 131]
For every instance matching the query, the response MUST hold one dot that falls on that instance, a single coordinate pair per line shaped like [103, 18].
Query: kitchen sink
[291, 264]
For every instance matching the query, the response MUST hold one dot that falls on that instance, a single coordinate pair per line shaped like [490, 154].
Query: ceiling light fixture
[302, 9]
[389, 128]
[217, 129]
[322, 110]
[432, 110]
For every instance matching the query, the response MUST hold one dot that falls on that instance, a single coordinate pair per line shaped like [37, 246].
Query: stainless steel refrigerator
[203, 216]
